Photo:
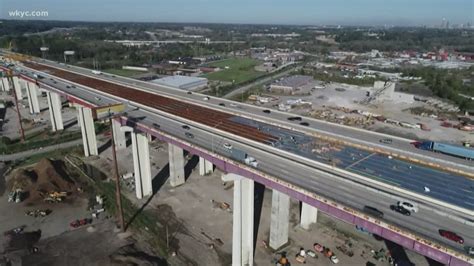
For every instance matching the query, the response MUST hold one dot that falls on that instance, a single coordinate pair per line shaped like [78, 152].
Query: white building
[182, 82]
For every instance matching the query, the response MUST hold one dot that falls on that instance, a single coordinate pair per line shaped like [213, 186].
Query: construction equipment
[54, 197]
[38, 213]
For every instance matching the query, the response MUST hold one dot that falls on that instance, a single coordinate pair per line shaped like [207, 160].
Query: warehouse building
[182, 82]
[292, 85]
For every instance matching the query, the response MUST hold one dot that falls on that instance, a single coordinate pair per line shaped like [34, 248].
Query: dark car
[451, 236]
[186, 127]
[222, 104]
[189, 135]
[189, 92]
[400, 209]
[156, 125]
[386, 141]
[304, 124]
[373, 211]
[294, 118]
[266, 111]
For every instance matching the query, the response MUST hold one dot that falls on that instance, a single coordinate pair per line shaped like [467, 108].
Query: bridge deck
[445, 186]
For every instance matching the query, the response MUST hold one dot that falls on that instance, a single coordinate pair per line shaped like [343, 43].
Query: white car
[412, 207]
[334, 259]
[227, 146]
[206, 98]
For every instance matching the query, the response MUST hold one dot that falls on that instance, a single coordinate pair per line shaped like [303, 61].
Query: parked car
[373, 211]
[400, 209]
[412, 207]
[227, 146]
[334, 259]
[451, 236]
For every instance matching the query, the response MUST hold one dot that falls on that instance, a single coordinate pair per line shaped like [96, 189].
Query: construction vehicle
[38, 213]
[54, 197]
[16, 195]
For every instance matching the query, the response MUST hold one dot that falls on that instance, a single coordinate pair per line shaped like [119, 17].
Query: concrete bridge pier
[55, 105]
[86, 122]
[32, 94]
[141, 165]
[17, 88]
[5, 84]
[280, 216]
[243, 219]
[205, 167]
[176, 165]
[309, 215]
[119, 135]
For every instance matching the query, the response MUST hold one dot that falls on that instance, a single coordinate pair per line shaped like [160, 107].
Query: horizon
[263, 12]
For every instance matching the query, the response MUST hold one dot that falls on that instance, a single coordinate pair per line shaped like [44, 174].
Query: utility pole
[118, 195]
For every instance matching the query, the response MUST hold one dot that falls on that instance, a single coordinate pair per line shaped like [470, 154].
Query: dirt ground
[57, 242]
[203, 208]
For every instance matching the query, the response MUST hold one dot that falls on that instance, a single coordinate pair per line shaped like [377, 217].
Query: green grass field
[123, 72]
[240, 70]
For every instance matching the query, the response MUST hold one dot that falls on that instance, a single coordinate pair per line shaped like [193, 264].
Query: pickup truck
[249, 160]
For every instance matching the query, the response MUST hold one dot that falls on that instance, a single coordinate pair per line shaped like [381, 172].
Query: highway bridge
[333, 168]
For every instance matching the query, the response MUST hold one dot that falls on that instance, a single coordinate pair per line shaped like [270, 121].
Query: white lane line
[363, 159]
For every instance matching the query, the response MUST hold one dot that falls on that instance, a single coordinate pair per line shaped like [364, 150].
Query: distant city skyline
[303, 12]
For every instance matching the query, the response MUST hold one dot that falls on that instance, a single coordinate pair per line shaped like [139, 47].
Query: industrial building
[292, 85]
[182, 82]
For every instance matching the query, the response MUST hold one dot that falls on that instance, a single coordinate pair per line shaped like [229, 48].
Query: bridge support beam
[32, 94]
[17, 88]
[141, 165]
[86, 121]
[176, 165]
[205, 167]
[5, 84]
[119, 135]
[309, 215]
[55, 105]
[280, 216]
[243, 219]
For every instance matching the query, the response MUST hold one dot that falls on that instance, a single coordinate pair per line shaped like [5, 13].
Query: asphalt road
[458, 191]
[24, 154]
[426, 222]
[355, 135]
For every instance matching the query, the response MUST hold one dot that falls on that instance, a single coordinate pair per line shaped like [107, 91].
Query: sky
[307, 12]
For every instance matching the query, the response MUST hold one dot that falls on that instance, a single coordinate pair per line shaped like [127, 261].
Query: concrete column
[176, 164]
[309, 215]
[243, 219]
[32, 94]
[141, 165]
[86, 121]
[279, 219]
[205, 167]
[17, 87]
[119, 135]
[55, 105]
[5, 84]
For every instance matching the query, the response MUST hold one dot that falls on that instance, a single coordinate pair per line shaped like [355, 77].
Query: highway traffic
[344, 190]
